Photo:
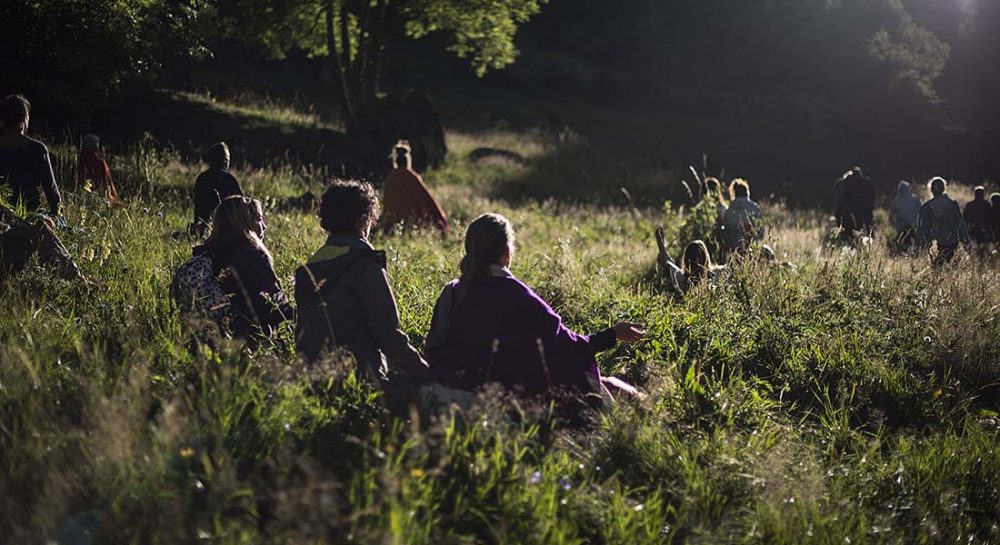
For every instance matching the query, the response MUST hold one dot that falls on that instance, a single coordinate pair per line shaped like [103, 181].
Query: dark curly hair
[14, 111]
[345, 204]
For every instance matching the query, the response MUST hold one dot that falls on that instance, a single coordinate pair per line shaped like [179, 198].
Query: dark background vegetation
[788, 93]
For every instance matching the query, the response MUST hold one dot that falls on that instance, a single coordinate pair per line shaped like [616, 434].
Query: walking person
[941, 222]
[978, 218]
[904, 212]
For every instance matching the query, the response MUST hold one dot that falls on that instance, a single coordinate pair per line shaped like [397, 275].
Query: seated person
[489, 327]
[212, 186]
[94, 169]
[742, 223]
[407, 198]
[245, 268]
[20, 239]
[696, 265]
[25, 165]
[343, 294]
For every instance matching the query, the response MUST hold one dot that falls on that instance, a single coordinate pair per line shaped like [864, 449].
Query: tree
[353, 35]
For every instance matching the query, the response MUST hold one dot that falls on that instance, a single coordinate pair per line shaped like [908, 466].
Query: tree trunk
[346, 104]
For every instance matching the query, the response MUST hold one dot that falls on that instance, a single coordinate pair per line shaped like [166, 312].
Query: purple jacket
[497, 329]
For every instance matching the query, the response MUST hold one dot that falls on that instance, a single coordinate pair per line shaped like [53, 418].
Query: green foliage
[482, 31]
[915, 56]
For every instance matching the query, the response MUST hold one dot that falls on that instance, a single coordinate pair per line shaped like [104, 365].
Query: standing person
[489, 327]
[977, 215]
[859, 197]
[24, 162]
[696, 265]
[343, 294]
[245, 268]
[742, 223]
[904, 212]
[407, 198]
[93, 167]
[212, 187]
[941, 221]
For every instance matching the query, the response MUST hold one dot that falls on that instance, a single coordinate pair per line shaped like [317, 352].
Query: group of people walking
[940, 221]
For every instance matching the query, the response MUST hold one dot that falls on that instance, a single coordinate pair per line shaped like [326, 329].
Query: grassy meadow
[845, 396]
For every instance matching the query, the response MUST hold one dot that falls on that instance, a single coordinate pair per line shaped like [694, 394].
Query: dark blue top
[24, 170]
[210, 188]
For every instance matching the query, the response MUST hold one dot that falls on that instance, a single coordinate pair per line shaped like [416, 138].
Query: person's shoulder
[37, 146]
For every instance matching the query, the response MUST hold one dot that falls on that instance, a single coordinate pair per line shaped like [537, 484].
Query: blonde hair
[739, 185]
[236, 219]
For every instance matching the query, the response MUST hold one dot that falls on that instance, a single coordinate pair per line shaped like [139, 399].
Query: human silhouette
[25, 165]
[212, 186]
[93, 168]
[978, 217]
[904, 212]
[941, 221]
[407, 198]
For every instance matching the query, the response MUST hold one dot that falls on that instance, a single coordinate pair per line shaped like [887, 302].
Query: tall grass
[851, 398]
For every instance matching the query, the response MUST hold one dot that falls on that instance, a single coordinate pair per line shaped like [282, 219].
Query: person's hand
[627, 332]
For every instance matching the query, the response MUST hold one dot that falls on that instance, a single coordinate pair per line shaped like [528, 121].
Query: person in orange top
[407, 199]
[94, 168]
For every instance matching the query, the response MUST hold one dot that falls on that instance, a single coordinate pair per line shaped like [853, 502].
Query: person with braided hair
[489, 327]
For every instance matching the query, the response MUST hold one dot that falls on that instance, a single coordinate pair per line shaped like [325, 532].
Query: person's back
[25, 166]
[978, 217]
[941, 221]
[407, 198]
[93, 168]
[342, 293]
[245, 268]
[213, 186]
[995, 215]
[742, 223]
[905, 208]
[859, 195]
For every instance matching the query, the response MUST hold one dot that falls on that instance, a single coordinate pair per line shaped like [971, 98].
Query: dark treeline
[865, 76]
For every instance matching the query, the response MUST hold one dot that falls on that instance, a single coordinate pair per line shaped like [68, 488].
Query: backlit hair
[938, 185]
[346, 204]
[487, 240]
[739, 188]
[236, 221]
[402, 150]
[696, 261]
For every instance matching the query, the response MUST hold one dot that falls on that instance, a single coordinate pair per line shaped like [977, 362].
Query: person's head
[401, 155]
[938, 185]
[15, 111]
[713, 187]
[349, 208]
[218, 156]
[696, 261]
[980, 193]
[739, 188]
[489, 242]
[995, 200]
[903, 188]
[238, 219]
[91, 142]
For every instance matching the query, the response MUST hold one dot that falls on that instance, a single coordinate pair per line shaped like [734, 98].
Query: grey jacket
[344, 300]
[941, 220]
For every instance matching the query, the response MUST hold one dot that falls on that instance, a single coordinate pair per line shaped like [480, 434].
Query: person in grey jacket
[941, 221]
[904, 212]
[343, 295]
[742, 223]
